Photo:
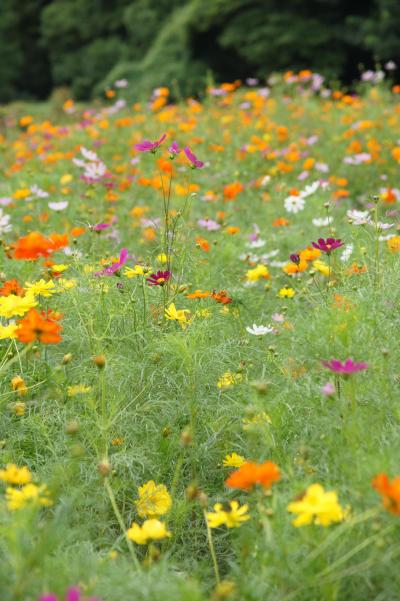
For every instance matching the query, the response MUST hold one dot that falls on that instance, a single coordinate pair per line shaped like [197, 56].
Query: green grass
[160, 380]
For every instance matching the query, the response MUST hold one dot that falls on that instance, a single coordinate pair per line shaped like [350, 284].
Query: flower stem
[121, 522]
[212, 549]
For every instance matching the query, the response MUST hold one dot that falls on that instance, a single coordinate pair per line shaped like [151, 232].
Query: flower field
[199, 350]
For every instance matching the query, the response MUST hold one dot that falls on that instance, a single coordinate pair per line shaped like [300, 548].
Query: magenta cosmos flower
[192, 158]
[159, 278]
[148, 145]
[72, 594]
[174, 149]
[346, 368]
[123, 257]
[328, 245]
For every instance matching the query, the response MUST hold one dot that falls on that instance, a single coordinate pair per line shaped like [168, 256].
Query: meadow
[199, 351]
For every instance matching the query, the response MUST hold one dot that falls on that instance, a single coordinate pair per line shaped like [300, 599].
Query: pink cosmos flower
[209, 224]
[192, 158]
[99, 227]
[123, 257]
[328, 389]
[159, 278]
[328, 245]
[72, 594]
[346, 368]
[174, 149]
[148, 146]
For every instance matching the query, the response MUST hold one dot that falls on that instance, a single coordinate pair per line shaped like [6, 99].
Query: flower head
[27, 496]
[233, 460]
[390, 491]
[15, 475]
[41, 288]
[16, 305]
[179, 315]
[123, 257]
[328, 245]
[148, 146]
[346, 368]
[260, 330]
[250, 474]
[230, 515]
[35, 327]
[317, 506]
[154, 499]
[159, 278]
[192, 158]
[150, 530]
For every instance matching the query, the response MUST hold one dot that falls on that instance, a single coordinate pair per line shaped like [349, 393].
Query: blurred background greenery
[88, 44]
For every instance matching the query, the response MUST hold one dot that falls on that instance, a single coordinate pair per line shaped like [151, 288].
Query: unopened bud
[72, 426]
[67, 358]
[202, 499]
[104, 468]
[99, 360]
[186, 437]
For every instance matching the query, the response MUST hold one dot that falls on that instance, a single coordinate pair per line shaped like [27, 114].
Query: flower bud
[67, 358]
[72, 426]
[99, 360]
[104, 468]
[186, 437]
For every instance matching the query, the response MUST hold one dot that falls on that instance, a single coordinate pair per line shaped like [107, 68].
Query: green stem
[16, 357]
[212, 549]
[121, 522]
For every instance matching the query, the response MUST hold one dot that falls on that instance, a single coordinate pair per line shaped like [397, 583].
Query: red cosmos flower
[159, 278]
[346, 368]
[328, 245]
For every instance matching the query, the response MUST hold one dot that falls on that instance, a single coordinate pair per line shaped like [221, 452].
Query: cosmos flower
[192, 158]
[35, 327]
[233, 460]
[159, 278]
[230, 515]
[30, 495]
[250, 474]
[150, 530]
[174, 149]
[15, 475]
[346, 368]
[317, 506]
[294, 204]
[148, 146]
[328, 245]
[260, 330]
[72, 594]
[390, 491]
[115, 267]
[154, 500]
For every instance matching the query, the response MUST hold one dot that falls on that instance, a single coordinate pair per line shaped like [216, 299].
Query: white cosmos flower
[358, 217]
[58, 206]
[5, 225]
[346, 254]
[89, 154]
[260, 330]
[38, 191]
[308, 190]
[95, 171]
[294, 204]
[384, 226]
[322, 221]
[256, 243]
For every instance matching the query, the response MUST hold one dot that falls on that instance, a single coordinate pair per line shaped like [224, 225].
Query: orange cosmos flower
[390, 491]
[221, 297]
[250, 474]
[280, 222]
[199, 294]
[11, 287]
[232, 190]
[203, 244]
[32, 246]
[35, 327]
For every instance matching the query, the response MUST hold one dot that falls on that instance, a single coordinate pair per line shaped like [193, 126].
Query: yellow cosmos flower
[134, 272]
[150, 530]
[229, 379]
[233, 460]
[28, 495]
[154, 499]
[65, 179]
[286, 293]
[59, 268]
[230, 515]
[317, 506]
[41, 288]
[253, 275]
[322, 267]
[16, 305]
[179, 315]
[65, 284]
[162, 258]
[9, 331]
[19, 385]
[78, 389]
[15, 475]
